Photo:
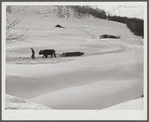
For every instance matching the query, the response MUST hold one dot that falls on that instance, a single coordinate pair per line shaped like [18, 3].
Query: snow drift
[110, 71]
[14, 103]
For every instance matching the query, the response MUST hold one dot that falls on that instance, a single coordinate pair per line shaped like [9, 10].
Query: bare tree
[42, 10]
[61, 11]
[11, 23]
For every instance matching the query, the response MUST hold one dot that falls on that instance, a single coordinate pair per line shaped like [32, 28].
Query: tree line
[87, 10]
[134, 24]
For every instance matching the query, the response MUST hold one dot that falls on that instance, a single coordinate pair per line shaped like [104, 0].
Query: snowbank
[15, 103]
[136, 104]
[97, 95]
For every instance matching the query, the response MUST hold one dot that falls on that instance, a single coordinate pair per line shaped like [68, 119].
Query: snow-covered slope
[136, 104]
[109, 73]
[14, 103]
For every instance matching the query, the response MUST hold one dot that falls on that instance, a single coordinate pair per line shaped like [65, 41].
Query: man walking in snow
[33, 53]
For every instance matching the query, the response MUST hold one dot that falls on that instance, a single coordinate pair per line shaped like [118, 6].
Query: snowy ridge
[136, 104]
[15, 103]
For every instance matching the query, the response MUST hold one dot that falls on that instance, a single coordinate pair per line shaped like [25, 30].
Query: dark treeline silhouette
[134, 24]
[117, 18]
[89, 10]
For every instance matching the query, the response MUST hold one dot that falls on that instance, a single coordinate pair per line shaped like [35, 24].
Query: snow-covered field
[109, 73]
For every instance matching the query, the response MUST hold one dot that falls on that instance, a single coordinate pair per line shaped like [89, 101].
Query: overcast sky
[124, 10]
[128, 9]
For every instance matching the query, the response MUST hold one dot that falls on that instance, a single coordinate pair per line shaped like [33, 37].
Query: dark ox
[47, 52]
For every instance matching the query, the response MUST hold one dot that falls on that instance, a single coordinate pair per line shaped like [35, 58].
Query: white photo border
[72, 114]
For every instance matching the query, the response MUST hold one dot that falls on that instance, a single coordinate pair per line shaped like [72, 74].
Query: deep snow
[14, 103]
[110, 72]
